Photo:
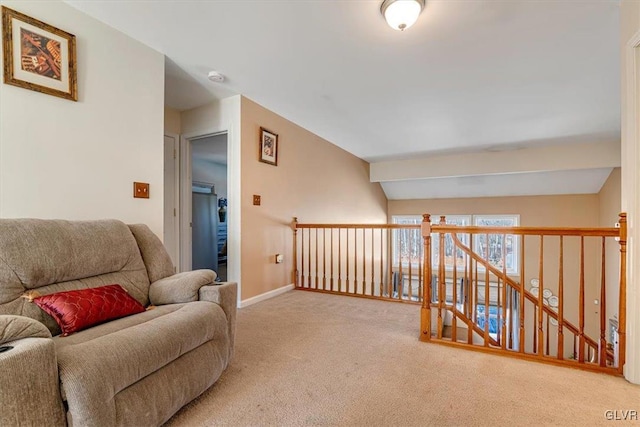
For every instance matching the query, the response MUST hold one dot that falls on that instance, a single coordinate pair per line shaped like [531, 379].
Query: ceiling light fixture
[401, 14]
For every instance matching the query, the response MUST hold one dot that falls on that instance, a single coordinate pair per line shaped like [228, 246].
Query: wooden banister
[384, 261]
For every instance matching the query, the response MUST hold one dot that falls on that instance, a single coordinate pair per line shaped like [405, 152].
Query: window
[500, 249]
[408, 245]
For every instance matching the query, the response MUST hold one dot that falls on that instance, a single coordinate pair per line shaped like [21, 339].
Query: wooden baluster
[309, 266]
[521, 335]
[503, 321]
[465, 286]
[510, 322]
[425, 312]
[420, 277]
[364, 263]
[348, 290]
[409, 286]
[295, 253]
[302, 259]
[441, 278]
[487, 292]
[316, 265]
[622, 302]
[390, 263]
[332, 282]
[381, 262]
[468, 274]
[541, 299]
[603, 309]
[561, 302]
[324, 259]
[475, 291]
[454, 320]
[581, 302]
[400, 281]
[355, 261]
[546, 334]
[339, 260]
[373, 275]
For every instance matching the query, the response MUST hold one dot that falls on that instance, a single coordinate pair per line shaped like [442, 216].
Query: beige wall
[315, 181]
[78, 160]
[629, 26]
[172, 121]
[609, 201]
[534, 211]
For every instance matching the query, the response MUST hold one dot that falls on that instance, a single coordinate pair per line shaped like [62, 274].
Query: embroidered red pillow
[81, 309]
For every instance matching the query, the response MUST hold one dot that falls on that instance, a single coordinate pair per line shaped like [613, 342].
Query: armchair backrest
[51, 256]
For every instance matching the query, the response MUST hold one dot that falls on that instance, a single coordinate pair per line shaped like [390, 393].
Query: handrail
[360, 226]
[574, 329]
[527, 231]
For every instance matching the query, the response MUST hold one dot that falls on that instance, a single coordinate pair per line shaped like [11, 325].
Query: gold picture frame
[268, 147]
[38, 56]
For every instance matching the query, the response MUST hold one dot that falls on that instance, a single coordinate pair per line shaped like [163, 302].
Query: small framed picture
[38, 56]
[268, 147]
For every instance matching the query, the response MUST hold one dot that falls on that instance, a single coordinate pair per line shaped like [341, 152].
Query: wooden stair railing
[393, 262]
[586, 349]
[528, 295]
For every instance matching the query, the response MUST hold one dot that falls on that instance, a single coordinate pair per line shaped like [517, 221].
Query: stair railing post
[295, 251]
[425, 311]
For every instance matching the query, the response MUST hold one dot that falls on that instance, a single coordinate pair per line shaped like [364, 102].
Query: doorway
[209, 160]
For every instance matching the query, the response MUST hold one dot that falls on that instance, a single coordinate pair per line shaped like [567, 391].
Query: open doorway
[209, 159]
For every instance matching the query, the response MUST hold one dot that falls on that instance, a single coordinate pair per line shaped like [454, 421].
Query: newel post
[622, 302]
[295, 251]
[425, 311]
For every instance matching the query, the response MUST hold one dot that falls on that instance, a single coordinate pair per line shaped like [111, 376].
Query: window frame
[470, 219]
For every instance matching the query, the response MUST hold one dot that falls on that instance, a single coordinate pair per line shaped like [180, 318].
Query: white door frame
[630, 204]
[186, 179]
[176, 177]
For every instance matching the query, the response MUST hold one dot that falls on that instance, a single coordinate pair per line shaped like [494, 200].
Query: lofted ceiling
[469, 76]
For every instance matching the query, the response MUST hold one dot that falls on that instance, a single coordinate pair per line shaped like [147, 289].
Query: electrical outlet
[256, 200]
[141, 190]
[279, 258]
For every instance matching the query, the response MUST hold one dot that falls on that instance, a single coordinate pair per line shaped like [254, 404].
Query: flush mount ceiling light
[401, 14]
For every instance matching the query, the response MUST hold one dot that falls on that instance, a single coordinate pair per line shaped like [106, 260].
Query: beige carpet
[314, 359]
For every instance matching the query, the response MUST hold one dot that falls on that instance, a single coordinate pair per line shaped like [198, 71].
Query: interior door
[204, 247]
[170, 236]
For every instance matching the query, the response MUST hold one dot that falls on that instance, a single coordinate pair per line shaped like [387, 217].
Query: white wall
[78, 160]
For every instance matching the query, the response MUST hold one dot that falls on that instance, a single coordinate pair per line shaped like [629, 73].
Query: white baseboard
[265, 296]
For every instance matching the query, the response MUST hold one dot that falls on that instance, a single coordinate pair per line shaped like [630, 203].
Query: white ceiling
[468, 76]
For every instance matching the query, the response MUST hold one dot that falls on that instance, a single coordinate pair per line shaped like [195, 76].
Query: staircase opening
[490, 285]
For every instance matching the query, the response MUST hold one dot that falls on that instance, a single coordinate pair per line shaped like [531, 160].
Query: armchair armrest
[29, 385]
[181, 287]
[226, 296]
[13, 328]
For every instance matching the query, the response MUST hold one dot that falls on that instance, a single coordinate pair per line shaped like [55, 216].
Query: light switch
[141, 190]
[279, 259]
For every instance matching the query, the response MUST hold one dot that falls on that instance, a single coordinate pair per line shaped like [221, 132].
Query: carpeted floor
[304, 358]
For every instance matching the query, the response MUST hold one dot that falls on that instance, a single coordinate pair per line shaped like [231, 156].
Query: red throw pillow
[81, 309]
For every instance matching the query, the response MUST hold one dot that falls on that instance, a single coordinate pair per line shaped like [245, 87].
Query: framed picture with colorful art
[38, 56]
[268, 147]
